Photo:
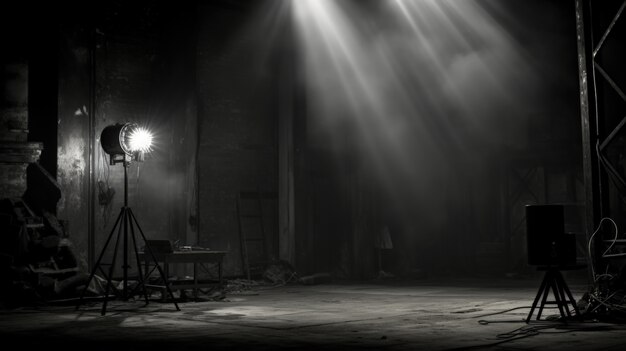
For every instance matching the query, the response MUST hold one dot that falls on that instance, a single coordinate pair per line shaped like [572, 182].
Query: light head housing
[123, 142]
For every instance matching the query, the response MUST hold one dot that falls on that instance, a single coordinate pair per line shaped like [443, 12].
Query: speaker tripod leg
[546, 291]
[99, 260]
[163, 276]
[569, 295]
[534, 305]
[559, 283]
[557, 296]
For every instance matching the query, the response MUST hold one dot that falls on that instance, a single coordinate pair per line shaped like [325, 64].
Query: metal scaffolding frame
[602, 178]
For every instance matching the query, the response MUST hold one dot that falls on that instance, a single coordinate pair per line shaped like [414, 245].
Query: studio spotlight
[124, 142]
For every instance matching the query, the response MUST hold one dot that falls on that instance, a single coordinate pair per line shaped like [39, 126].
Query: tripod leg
[169, 290]
[559, 283]
[546, 291]
[534, 305]
[569, 295]
[140, 276]
[557, 297]
[111, 269]
[97, 265]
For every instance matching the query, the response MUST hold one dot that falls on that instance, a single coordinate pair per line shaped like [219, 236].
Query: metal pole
[590, 123]
[125, 244]
[91, 163]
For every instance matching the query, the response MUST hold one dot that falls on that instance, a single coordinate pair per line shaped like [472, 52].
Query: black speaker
[547, 242]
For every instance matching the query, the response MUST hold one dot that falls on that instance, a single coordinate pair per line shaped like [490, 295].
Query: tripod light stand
[123, 143]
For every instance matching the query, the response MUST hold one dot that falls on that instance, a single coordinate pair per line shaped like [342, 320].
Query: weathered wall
[128, 63]
[137, 63]
[447, 202]
[73, 134]
[238, 121]
[24, 105]
[147, 62]
[13, 120]
[144, 75]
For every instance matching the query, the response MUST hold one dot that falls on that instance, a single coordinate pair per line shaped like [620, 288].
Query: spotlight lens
[140, 139]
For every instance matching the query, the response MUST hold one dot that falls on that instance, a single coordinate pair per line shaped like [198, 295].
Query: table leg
[166, 278]
[195, 280]
[219, 273]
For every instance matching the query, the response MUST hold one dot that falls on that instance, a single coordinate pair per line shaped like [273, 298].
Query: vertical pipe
[198, 122]
[286, 199]
[587, 115]
[589, 118]
[126, 224]
[91, 189]
[125, 163]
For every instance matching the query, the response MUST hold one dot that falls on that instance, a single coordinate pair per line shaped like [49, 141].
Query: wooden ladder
[254, 253]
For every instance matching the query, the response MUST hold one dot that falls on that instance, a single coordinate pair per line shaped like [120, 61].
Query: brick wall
[13, 128]
[237, 121]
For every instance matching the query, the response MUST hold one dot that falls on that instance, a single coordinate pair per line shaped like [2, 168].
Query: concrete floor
[387, 315]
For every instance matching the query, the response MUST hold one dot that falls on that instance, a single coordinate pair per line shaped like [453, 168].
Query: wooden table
[197, 258]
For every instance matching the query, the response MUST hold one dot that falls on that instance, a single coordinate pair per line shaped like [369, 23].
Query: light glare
[140, 140]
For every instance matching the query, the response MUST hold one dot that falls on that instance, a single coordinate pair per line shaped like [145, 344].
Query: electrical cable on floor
[536, 329]
[589, 243]
[518, 333]
[502, 312]
[540, 327]
[605, 289]
[485, 322]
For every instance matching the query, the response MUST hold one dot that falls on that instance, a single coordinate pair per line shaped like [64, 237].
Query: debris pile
[37, 263]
